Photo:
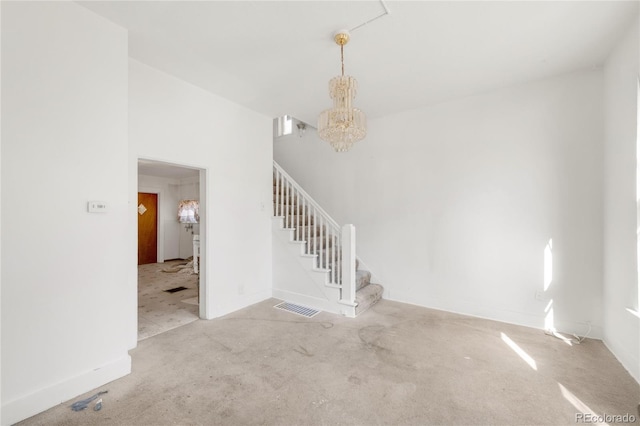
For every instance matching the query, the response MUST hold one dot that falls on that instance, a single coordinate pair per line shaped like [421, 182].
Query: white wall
[189, 189]
[455, 203]
[176, 122]
[622, 330]
[67, 308]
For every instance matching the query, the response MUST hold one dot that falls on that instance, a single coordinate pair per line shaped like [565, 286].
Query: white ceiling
[276, 57]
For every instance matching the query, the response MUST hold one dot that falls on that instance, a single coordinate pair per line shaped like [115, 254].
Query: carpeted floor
[396, 364]
[158, 310]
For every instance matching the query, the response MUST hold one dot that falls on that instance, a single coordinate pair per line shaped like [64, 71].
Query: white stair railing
[324, 238]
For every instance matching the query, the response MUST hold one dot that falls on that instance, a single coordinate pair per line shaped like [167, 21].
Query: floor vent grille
[297, 309]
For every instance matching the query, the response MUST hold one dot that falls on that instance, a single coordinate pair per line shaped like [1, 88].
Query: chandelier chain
[342, 57]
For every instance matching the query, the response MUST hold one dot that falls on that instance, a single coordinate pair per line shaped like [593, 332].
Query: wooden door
[147, 228]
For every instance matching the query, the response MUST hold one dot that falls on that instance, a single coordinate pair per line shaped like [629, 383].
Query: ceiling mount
[342, 37]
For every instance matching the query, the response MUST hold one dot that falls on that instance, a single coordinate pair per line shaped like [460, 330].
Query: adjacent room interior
[168, 247]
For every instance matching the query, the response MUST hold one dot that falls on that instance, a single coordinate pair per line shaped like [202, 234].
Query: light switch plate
[97, 207]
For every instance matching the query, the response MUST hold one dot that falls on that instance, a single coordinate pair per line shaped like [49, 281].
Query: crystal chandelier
[342, 125]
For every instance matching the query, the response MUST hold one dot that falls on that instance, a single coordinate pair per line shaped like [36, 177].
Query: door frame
[205, 306]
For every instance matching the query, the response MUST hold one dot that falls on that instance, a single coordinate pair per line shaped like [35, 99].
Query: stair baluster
[315, 232]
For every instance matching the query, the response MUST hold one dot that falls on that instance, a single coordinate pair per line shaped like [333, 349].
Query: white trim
[473, 309]
[239, 302]
[628, 359]
[42, 399]
[205, 307]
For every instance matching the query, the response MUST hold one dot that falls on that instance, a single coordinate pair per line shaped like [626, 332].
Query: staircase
[315, 261]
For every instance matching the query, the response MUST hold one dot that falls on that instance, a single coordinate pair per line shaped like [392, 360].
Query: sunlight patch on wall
[549, 324]
[548, 318]
[548, 264]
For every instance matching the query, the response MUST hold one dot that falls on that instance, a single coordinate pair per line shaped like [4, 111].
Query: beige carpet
[159, 311]
[396, 364]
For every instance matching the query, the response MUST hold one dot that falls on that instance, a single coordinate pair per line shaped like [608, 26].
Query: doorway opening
[170, 270]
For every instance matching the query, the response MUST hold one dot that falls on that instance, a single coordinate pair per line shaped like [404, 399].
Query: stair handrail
[308, 197]
[342, 273]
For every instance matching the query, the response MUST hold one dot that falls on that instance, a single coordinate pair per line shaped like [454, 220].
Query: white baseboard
[237, 303]
[42, 399]
[473, 309]
[630, 361]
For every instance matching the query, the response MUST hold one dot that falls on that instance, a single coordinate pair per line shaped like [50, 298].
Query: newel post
[348, 265]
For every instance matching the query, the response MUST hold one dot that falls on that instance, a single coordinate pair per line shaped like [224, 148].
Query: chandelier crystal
[342, 125]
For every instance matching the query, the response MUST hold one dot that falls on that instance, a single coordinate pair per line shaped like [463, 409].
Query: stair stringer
[295, 277]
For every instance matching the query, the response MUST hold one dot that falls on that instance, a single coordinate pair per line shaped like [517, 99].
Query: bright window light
[188, 211]
[282, 126]
[564, 339]
[579, 405]
[288, 125]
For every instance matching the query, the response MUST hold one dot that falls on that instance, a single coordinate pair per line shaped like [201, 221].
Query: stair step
[290, 210]
[283, 193]
[339, 255]
[367, 297]
[286, 199]
[291, 199]
[311, 230]
[322, 243]
[325, 257]
[291, 221]
[306, 233]
[279, 208]
[363, 279]
[293, 209]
